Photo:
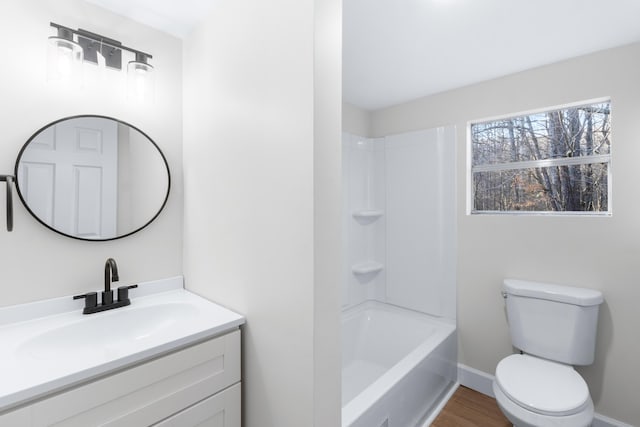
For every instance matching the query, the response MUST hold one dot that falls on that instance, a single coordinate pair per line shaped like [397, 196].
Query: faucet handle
[91, 299]
[123, 292]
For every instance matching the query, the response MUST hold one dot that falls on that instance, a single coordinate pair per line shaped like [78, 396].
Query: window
[555, 161]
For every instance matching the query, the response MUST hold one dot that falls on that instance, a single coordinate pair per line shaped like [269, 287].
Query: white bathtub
[397, 365]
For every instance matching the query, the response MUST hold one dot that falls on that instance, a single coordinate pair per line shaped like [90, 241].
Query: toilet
[554, 327]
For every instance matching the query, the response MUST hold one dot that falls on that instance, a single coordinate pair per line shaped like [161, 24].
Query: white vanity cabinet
[195, 386]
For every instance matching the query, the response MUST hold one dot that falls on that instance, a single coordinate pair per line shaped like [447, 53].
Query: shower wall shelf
[367, 267]
[368, 214]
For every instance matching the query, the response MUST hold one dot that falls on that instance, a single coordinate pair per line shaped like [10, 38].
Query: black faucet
[110, 275]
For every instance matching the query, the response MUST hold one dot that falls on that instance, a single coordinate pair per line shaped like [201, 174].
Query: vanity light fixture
[140, 79]
[66, 57]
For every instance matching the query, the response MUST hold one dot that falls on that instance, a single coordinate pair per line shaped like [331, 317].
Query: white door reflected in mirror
[92, 178]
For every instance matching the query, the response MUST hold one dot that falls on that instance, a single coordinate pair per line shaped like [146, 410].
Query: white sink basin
[45, 353]
[111, 334]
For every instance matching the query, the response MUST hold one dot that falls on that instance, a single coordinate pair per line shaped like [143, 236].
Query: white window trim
[540, 110]
[544, 163]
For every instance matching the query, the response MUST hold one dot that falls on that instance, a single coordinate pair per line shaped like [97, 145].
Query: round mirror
[92, 177]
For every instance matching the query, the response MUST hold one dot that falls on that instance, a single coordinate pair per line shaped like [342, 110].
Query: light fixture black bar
[101, 39]
[9, 179]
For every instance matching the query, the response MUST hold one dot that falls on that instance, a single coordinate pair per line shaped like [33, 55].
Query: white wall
[596, 252]
[262, 196]
[37, 263]
[355, 120]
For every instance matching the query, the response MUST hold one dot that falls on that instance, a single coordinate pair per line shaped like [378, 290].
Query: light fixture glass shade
[64, 61]
[140, 81]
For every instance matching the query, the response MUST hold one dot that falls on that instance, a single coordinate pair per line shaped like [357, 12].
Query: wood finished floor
[468, 408]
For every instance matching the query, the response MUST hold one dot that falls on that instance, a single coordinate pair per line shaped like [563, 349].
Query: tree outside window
[556, 161]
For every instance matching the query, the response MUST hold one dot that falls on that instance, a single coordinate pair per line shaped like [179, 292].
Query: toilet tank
[553, 321]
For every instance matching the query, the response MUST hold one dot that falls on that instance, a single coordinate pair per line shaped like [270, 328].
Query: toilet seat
[522, 417]
[541, 386]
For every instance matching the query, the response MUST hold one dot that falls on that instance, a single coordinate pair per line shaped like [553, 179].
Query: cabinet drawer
[19, 417]
[221, 410]
[147, 393]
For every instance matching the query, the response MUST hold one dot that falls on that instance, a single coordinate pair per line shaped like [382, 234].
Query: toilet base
[521, 417]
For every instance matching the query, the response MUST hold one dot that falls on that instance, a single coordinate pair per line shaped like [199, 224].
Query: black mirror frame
[164, 159]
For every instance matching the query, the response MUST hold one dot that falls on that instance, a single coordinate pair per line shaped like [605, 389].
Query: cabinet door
[147, 393]
[221, 410]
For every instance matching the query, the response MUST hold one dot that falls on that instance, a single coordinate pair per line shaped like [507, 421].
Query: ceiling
[171, 16]
[398, 50]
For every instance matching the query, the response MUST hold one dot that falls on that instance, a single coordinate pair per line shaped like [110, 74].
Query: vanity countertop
[50, 345]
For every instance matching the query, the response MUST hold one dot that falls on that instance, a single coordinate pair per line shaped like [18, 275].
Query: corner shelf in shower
[367, 215]
[367, 267]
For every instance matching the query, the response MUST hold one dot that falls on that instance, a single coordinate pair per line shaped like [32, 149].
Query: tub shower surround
[399, 336]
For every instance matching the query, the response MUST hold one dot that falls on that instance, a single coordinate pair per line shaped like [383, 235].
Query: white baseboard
[602, 421]
[482, 382]
[475, 379]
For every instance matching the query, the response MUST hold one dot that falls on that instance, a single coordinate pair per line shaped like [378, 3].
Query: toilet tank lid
[552, 292]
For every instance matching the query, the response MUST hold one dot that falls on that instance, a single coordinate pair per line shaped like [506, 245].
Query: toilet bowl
[534, 392]
[554, 327]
